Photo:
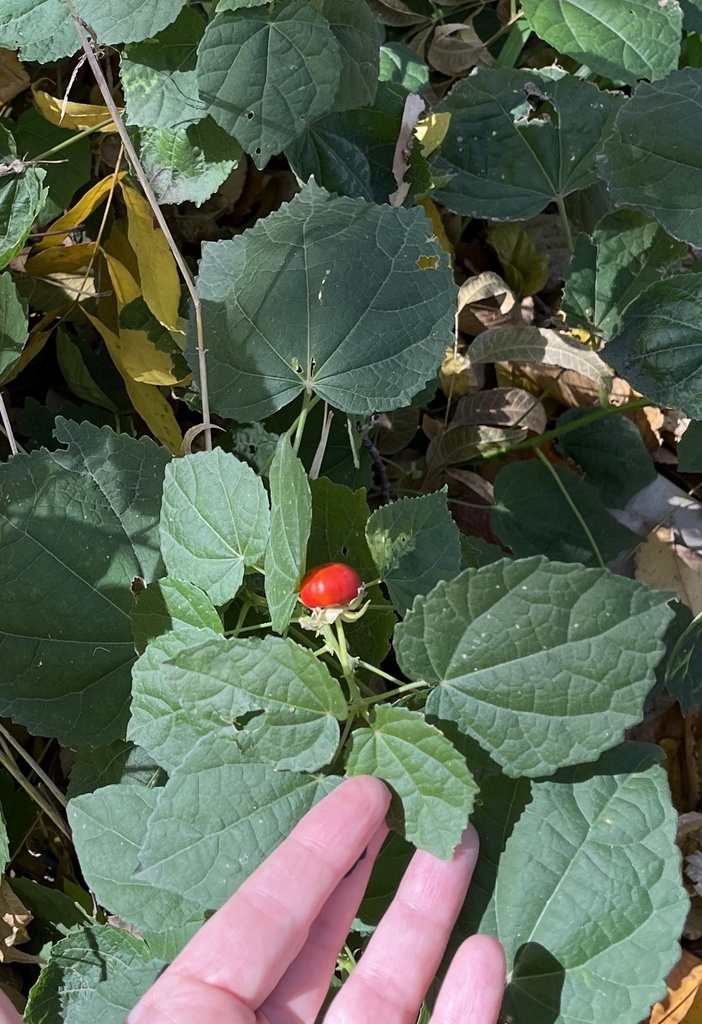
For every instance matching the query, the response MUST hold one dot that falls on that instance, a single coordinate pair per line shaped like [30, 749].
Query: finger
[8, 1014]
[302, 989]
[246, 947]
[404, 954]
[474, 984]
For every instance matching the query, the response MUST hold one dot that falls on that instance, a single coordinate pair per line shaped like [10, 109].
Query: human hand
[267, 956]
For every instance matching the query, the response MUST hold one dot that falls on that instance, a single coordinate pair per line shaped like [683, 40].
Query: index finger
[247, 946]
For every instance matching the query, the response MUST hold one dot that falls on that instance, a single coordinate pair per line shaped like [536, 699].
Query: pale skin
[267, 956]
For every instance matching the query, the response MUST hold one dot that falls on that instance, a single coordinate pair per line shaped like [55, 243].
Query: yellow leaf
[432, 212]
[456, 375]
[38, 337]
[160, 283]
[76, 116]
[13, 78]
[525, 268]
[78, 213]
[141, 359]
[431, 131]
[60, 259]
[146, 399]
[683, 1002]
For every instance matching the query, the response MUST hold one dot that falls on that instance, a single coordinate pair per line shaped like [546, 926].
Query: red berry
[330, 584]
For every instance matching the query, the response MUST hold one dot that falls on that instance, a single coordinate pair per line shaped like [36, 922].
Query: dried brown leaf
[663, 564]
[395, 13]
[13, 78]
[540, 345]
[683, 984]
[501, 407]
[461, 444]
[456, 48]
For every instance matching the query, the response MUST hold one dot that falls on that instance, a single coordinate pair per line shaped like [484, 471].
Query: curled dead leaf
[486, 301]
[456, 48]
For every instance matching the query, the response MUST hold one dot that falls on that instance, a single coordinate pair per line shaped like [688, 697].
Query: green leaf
[591, 873]
[118, 762]
[539, 345]
[627, 253]
[187, 165]
[90, 376]
[544, 664]
[557, 513]
[202, 843]
[659, 346]
[214, 521]
[152, 725]
[165, 605]
[291, 520]
[13, 326]
[159, 77]
[497, 810]
[350, 277]
[339, 518]
[414, 543]
[22, 197]
[203, 690]
[692, 15]
[352, 153]
[356, 32]
[429, 775]
[652, 161]
[108, 828]
[128, 21]
[612, 454]
[683, 672]
[97, 973]
[42, 30]
[77, 526]
[690, 449]
[250, 59]
[623, 41]
[401, 66]
[54, 914]
[35, 135]
[519, 140]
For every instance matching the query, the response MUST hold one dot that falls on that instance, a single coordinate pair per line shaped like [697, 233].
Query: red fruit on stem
[329, 585]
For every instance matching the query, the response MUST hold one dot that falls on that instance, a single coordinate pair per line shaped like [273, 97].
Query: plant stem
[406, 688]
[381, 673]
[36, 768]
[69, 142]
[565, 222]
[600, 413]
[161, 220]
[308, 403]
[7, 762]
[573, 507]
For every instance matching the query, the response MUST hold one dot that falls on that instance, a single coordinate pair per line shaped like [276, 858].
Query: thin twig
[9, 434]
[153, 203]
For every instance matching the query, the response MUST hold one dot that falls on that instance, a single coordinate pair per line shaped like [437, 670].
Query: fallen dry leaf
[683, 993]
[13, 78]
[664, 564]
